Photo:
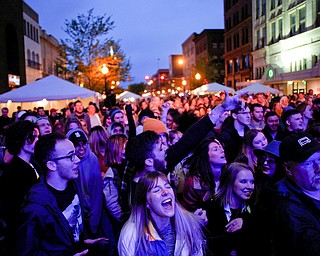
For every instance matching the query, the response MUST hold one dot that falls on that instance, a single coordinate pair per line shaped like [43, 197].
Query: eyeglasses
[72, 157]
[270, 161]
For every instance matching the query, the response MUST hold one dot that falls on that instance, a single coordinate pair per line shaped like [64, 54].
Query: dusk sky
[149, 30]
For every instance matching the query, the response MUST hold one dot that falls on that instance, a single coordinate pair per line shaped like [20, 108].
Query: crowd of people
[214, 175]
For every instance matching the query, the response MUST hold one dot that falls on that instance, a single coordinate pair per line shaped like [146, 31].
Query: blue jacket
[90, 183]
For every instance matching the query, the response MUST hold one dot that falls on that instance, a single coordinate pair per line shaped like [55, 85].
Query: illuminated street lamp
[184, 83]
[105, 71]
[197, 77]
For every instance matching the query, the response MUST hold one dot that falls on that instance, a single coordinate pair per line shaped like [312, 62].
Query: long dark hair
[199, 163]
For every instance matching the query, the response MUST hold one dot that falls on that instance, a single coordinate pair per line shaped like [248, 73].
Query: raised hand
[234, 102]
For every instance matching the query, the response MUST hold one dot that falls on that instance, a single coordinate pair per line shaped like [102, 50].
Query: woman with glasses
[268, 173]
[21, 173]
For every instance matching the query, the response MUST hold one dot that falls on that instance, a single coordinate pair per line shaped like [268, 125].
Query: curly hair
[139, 148]
[17, 134]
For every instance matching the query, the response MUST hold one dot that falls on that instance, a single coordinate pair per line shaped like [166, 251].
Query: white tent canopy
[49, 92]
[258, 88]
[128, 96]
[212, 88]
[49, 88]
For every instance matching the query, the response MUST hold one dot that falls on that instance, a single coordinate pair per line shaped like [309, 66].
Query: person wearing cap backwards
[298, 208]
[91, 183]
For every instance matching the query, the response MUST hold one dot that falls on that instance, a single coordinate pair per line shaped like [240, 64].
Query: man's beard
[159, 165]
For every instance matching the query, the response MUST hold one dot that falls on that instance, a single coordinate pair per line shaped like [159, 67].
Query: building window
[228, 4]
[273, 33]
[236, 41]
[264, 7]
[272, 4]
[280, 28]
[244, 12]
[257, 9]
[304, 63]
[28, 29]
[214, 45]
[230, 66]
[245, 36]
[228, 44]
[247, 60]
[237, 65]
[302, 19]
[28, 55]
[293, 29]
[314, 60]
[236, 18]
[318, 13]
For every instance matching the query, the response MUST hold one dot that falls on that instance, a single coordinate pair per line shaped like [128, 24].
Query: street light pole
[105, 84]
[105, 71]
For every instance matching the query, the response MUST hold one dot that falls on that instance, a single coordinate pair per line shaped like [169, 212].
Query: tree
[88, 47]
[210, 70]
[137, 88]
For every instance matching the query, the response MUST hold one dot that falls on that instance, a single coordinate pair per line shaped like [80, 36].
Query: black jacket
[297, 221]
[231, 141]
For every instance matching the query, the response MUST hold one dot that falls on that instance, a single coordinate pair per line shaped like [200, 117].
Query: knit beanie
[151, 124]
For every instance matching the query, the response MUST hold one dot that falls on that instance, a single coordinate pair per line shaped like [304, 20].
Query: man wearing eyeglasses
[52, 220]
[233, 131]
[298, 204]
